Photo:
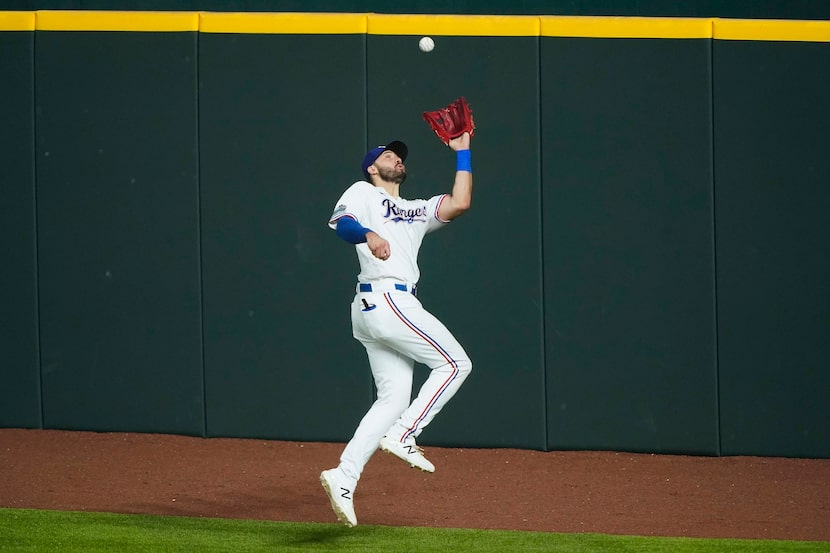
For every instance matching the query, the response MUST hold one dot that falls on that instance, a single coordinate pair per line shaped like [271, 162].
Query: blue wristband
[463, 161]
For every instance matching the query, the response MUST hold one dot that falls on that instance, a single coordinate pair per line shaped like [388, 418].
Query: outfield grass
[70, 532]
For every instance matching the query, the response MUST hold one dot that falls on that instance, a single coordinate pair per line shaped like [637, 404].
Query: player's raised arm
[455, 127]
[458, 201]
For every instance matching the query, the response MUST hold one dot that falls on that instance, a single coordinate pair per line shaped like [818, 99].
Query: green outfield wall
[20, 389]
[644, 268]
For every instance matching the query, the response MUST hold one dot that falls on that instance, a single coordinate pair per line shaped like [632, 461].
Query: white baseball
[426, 44]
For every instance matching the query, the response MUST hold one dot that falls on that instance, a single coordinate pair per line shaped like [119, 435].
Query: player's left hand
[460, 142]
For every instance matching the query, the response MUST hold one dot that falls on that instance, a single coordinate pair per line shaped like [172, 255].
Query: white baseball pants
[397, 331]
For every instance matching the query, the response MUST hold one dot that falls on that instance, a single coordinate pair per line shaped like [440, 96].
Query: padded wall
[643, 267]
[20, 390]
[772, 112]
[118, 235]
[283, 134]
[629, 275]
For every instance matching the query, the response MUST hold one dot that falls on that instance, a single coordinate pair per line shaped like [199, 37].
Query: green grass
[70, 532]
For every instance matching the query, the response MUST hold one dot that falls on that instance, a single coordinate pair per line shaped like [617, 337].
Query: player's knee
[464, 366]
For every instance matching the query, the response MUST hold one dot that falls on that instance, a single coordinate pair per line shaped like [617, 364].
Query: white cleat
[340, 496]
[410, 453]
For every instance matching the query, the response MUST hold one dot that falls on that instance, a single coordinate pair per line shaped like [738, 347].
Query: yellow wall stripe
[454, 25]
[117, 21]
[438, 25]
[17, 21]
[773, 30]
[283, 23]
[626, 27]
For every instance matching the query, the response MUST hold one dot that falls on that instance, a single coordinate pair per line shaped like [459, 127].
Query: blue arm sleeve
[351, 231]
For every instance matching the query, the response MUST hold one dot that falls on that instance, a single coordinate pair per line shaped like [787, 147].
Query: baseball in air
[426, 44]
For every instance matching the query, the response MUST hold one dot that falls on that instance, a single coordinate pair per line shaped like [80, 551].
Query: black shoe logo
[346, 494]
[410, 449]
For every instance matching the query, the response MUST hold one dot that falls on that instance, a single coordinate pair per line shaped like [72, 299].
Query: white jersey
[402, 223]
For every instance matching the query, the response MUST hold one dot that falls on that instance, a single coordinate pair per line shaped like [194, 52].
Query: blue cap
[396, 146]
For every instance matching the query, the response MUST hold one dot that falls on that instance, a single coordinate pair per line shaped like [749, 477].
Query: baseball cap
[396, 146]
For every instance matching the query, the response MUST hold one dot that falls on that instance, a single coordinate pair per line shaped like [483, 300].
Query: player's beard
[392, 175]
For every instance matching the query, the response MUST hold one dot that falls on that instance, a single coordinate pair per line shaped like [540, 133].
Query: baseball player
[387, 317]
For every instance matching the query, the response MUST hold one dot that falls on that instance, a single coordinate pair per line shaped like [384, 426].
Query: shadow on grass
[315, 536]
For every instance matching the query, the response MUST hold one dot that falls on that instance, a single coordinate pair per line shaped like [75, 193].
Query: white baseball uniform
[390, 322]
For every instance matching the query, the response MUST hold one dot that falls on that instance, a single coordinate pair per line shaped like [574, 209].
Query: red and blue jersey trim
[438, 207]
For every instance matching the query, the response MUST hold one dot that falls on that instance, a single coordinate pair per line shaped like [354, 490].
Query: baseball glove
[452, 121]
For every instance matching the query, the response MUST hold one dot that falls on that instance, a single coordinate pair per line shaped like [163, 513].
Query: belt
[386, 287]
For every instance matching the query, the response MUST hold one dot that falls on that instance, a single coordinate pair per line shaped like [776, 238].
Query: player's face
[390, 167]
